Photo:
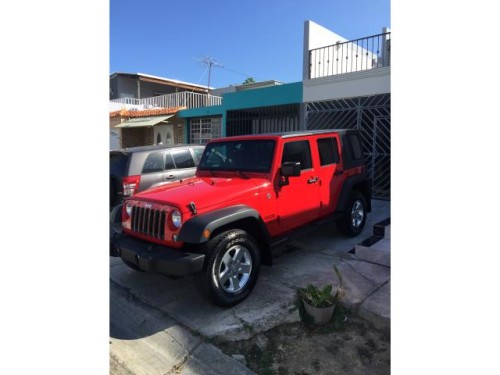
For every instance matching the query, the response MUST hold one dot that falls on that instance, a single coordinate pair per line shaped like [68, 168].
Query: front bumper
[154, 258]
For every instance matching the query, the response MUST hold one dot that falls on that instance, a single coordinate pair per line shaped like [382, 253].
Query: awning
[143, 121]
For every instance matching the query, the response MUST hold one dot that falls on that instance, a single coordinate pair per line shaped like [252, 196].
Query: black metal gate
[371, 115]
[273, 119]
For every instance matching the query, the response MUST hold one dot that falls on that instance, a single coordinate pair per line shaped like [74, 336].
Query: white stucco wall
[364, 83]
[115, 139]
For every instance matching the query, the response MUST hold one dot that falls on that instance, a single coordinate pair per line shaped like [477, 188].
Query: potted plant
[320, 303]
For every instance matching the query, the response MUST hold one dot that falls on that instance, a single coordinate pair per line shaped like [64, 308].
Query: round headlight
[128, 209]
[176, 218]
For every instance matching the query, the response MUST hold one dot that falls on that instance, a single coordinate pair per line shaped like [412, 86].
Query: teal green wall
[201, 112]
[290, 93]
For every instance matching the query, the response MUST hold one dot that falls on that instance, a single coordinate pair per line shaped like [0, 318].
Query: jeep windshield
[239, 156]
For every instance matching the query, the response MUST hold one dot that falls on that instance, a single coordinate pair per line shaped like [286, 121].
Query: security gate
[371, 115]
[379, 159]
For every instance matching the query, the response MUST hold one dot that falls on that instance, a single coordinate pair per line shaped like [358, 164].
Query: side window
[356, 147]
[328, 151]
[197, 155]
[183, 159]
[298, 151]
[153, 163]
[169, 162]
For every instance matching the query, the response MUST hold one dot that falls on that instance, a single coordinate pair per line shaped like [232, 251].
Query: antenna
[209, 62]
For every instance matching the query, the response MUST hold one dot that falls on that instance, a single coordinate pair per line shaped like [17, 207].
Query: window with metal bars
[203, 130]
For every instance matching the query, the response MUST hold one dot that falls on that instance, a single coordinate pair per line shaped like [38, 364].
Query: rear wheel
[232, 268]
[353, 221]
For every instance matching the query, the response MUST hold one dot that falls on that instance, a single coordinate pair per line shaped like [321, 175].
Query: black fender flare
[361, 182]
[193, 230]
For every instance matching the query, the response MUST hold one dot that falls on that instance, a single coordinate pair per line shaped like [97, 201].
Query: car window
[169, 162]
[118, 163]
[328, 151]
[197, 155]
[183, 159]
[298, 151]
[357, 153]
[153, 163]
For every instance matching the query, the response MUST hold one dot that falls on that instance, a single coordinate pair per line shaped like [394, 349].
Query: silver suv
[139, 168]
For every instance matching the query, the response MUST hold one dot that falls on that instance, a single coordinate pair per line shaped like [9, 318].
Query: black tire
[231, 269]
[135, 267]
[354, 219]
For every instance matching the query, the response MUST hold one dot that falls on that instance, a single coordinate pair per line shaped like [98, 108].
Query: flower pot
[320, 315]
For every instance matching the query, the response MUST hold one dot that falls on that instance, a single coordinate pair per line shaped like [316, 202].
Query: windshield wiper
[242, 175]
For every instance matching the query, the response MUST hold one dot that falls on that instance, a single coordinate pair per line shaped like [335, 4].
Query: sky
[261, 39]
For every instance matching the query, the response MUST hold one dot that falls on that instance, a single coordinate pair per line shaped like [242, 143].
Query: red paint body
[307, 197]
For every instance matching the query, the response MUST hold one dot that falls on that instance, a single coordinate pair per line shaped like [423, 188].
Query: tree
[248, 81]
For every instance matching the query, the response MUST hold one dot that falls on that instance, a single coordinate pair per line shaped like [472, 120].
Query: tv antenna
[210, 62]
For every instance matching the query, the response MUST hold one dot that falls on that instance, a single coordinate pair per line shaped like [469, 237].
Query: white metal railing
[179, 99]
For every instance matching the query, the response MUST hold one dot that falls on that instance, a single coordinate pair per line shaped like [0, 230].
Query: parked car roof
[154, 147]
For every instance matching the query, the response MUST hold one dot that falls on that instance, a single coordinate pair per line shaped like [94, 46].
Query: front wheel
[353, 221]
[232, 268]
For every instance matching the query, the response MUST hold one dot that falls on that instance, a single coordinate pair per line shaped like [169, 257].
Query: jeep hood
[204, 191]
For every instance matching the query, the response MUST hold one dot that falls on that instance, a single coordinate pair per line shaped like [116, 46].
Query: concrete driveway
[272, 302]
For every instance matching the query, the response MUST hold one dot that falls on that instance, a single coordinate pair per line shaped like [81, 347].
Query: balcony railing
[351, 56]
[179, 99]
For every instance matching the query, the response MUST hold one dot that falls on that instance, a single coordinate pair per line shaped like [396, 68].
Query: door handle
[313, 180]
[170, 177]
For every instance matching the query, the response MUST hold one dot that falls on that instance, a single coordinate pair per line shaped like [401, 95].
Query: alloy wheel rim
[233, 272]
[357, 214]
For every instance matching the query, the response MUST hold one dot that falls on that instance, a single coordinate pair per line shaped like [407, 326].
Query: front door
[298, 202]
[164, 134]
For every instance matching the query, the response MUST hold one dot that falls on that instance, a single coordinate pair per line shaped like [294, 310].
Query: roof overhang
[139, 122]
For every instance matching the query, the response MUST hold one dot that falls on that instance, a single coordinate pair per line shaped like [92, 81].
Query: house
[140, 85]
[143, 108]
[347, 85]
[147, 126]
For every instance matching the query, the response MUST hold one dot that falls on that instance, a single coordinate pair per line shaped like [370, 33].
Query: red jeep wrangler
[249, 193]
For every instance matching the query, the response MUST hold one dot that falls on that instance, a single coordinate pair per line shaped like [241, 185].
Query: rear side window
[183, 159]
[328, 151]
[169, 162]
[118, 163]
[153, 163]
[298, 151]
[357, 153]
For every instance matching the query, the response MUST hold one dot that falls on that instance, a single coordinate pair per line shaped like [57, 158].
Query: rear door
[184, 164]
[153, 169]
[329, 172]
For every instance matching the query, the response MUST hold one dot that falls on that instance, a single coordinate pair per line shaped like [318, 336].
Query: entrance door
[298, 202]
[164, 134]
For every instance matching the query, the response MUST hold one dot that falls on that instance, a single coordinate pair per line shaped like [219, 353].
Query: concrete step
[376, 251]
[377, 248]
[382, 229]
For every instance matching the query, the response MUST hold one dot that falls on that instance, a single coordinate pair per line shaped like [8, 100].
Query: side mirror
[289, 169]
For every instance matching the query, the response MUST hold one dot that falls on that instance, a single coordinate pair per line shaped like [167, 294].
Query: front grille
[148, 221]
